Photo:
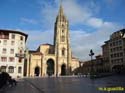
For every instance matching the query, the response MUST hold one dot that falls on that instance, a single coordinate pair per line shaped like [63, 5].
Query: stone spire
[61, 11]
[61, 17]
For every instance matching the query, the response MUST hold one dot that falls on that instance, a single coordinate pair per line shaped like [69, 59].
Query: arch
[50, 67]
[117, 68]
[11, 69]
[37, 71]
[63, 69]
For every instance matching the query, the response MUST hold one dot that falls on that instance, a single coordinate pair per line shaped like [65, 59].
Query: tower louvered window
[63, 38]
[63, 52]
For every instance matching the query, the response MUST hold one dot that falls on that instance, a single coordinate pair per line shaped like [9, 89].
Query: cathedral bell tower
[62, 44]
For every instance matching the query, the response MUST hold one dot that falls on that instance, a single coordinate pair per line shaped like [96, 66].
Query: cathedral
[56, 59]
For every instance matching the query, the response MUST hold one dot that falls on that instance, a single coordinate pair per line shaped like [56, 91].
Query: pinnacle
[61, 10]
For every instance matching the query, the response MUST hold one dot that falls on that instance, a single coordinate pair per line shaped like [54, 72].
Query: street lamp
[91, 70]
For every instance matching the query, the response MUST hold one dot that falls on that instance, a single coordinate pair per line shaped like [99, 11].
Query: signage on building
[20, 55]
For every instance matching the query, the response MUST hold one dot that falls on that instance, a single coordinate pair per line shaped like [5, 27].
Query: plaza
[69, 85]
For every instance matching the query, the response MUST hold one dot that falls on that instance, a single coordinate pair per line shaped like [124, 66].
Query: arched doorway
[63, 69]
[117, 68]
[50, 67]
[37, 71]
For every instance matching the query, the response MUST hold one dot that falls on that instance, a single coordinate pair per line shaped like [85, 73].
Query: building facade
[53, 59]
[106, 56]
[12, 47]
[114, 51]
[95, 65]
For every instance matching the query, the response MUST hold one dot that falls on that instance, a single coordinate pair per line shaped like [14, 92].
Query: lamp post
[91, 70]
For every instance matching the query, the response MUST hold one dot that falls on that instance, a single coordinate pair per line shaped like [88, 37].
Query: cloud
[95, 22]
[29, 21]
[35, 38]
[109, 2]
[75, 13]
[81, 40]
[48, 13]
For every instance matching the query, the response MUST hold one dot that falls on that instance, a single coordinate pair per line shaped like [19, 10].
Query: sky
[91, 22]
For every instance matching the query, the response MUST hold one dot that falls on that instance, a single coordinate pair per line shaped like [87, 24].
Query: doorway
[37, 71]
[63, 69]
[50, 67]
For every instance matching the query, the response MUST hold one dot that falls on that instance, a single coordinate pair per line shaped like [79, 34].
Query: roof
[35, 52]
[32, 51]
[122, 30]
[14, 31]
[117, 34]
[47, 44]
[74, 57]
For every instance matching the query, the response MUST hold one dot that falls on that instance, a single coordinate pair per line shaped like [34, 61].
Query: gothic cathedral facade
[56, 59]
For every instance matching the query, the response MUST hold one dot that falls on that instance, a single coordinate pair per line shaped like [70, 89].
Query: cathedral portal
[50, 67]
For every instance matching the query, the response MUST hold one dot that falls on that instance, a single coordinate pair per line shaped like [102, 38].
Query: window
[114, 55]
[121, 59]
[4, 50]
[12, 42]
[50, 51]
[121, 54]
[62, 26]
[20, 60]
[11, 69]
[11, 51]
[3, 68]
[21, 37]
[110, 44]
[21, 51]
[111, 55]
[113, 43]
[19, 69]
[63, 52]
[62, 38]
[117, 54]
[4, 59]
[21, 43]
[120, 47]
[4, 35]
[5, 42]
[120, 42]
[62, 31]
[111, 50]
[1, 35]
[112, 61]
[13, 36]
[117, 48]
[116, 42]
[11, 59]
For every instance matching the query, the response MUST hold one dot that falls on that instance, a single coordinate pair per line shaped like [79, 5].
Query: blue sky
[91, 21]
